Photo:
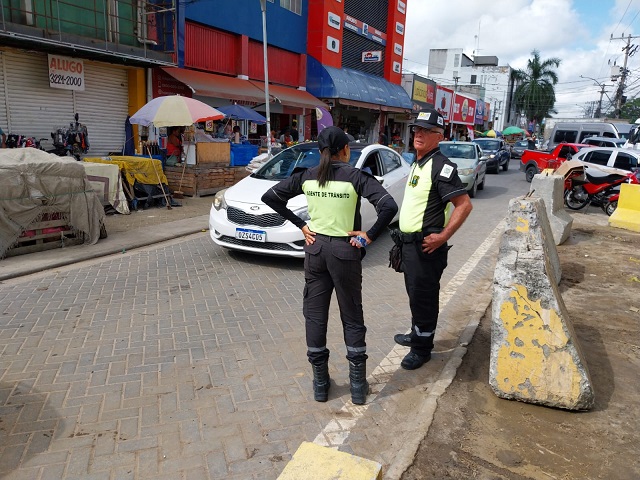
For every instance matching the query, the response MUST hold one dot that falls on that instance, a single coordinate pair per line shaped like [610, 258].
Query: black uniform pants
[422, 273]
[332, 262]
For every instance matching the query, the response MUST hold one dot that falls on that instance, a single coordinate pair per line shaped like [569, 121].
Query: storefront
[363, 103]
[463, 116]
[43, 91]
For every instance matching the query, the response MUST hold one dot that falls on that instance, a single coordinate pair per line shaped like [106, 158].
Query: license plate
[251, 235]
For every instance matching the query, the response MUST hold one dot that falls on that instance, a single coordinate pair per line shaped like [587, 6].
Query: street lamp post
[263, 6]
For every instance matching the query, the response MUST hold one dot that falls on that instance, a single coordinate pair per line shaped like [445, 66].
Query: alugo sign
[66, 73]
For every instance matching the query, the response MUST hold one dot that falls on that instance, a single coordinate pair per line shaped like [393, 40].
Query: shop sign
[487, 111]
[397, 49]
[402, 7]
[372, 56]
[365, 30]
[464, 109]
[399, 28]
[444, 99]
[397, 67]
[479, 112]
[334, 21]
[164, 84]
[66, 73]
[333, 44]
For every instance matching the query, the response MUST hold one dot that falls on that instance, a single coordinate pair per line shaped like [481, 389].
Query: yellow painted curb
[627, 215]
[313, 462]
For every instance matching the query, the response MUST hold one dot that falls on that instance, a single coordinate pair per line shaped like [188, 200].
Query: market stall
[47, 202]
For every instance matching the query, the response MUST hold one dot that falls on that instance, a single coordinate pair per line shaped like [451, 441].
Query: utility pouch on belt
[395, 254]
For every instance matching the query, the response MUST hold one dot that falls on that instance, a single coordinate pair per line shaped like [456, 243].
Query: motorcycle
[595, 190]
[611, 203]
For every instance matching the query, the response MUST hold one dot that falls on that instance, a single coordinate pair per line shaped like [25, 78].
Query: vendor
[174, 146]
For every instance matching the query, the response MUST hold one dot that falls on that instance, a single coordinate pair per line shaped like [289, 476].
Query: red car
[535, 161]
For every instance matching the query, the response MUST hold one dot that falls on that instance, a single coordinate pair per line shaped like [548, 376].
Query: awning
[290, 96]
[219, 86]
[329, 82]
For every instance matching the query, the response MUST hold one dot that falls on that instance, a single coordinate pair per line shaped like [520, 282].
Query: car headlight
[218, 200]
[465, 171]
[303, 213]
[492, 155]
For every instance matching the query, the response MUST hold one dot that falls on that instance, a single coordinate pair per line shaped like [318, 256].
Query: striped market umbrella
[175, 110]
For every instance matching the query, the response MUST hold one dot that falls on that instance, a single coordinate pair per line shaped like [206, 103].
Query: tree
[535, 94]
[631, 110]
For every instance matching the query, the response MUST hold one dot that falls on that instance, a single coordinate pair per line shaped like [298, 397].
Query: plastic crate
[242, 154]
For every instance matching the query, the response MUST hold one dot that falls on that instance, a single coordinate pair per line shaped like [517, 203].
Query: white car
[240, 221]
[608, 159]
[472, 165]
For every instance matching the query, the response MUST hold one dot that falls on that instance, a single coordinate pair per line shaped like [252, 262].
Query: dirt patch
[475, 434]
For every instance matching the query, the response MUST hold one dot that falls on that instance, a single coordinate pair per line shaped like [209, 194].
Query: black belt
[332, 239]
[418, 236]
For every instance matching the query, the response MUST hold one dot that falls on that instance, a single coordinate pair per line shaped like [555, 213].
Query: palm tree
[535, 95]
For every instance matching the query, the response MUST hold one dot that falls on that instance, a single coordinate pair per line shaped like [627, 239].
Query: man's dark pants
[422, 273]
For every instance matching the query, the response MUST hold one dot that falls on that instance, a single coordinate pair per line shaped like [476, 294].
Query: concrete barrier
[627, 215]
[313, 462]
[535, 356]
[550, 188]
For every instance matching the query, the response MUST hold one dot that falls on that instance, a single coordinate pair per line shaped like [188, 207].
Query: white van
[576, 132]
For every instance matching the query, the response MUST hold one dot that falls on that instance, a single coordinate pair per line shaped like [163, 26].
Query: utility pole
[628, 50]
[455, 79]
[599, 109]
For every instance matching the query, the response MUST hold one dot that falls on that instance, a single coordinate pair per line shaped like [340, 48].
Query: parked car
[605, 158]
[472, 165]
[240, 221]
[535, 161]
[497, 153]
[519, 147]
[576, 132]
[604, 142]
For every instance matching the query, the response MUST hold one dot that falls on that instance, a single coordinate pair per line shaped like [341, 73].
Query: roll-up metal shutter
[34, 109]
[352, 47]
[4, 124]
[103, 107]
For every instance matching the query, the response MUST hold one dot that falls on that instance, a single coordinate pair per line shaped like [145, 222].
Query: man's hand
[359, 234]
[308, 235]
[432, 242]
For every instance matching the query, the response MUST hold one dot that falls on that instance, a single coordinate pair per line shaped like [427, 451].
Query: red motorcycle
[595, 190]
[612, 201]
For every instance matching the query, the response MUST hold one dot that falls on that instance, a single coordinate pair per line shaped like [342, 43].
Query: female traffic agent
[333, 257]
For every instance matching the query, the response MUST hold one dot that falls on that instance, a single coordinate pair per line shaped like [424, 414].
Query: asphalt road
[183, 360]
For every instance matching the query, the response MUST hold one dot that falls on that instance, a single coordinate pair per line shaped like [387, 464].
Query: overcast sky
[576, 31]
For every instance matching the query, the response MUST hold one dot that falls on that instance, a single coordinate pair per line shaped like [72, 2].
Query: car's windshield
[299, 156]
[488, 144]
[456, 150]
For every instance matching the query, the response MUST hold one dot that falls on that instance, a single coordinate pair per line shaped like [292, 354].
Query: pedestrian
[531, 143]
[295, 135]
[432, 190]
[4, 138]
[333, 253]
[346, 131]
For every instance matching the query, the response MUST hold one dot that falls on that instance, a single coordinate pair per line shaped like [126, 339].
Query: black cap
[429, 118]
[332, 138]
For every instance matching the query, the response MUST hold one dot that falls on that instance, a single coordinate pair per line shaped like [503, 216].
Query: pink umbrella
[175, 110]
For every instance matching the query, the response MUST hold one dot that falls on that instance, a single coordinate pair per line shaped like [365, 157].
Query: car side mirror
[380, 179]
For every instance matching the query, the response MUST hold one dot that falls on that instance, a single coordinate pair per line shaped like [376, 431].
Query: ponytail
[325, 172]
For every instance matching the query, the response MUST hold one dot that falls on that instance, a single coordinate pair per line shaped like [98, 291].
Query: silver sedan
[472, 165]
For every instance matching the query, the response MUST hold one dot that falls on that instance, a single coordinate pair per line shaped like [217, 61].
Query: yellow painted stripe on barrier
[313, 462]
[627, 215]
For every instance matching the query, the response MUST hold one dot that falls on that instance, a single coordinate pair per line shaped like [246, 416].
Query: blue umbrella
[238, 112]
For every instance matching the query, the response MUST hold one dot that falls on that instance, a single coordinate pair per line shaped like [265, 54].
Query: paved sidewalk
[162, 364]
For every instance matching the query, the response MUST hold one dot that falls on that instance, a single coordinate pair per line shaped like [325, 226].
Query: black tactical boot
[359, 384]
[321, 382]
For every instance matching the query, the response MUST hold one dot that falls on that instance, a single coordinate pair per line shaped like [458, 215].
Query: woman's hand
[354, 242]
[309, 236]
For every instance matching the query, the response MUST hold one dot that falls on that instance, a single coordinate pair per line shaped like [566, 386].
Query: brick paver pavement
[185, 361]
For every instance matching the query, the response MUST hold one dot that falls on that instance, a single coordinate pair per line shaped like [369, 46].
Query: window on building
[474, 79]
[456, 60]
[293, 5]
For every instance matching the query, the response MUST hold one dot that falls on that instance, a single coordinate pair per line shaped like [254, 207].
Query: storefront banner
[365, 30]
[66, 73]
[479, 112]
[464, 109]
[324, 118]
[164, 84]
[424, 92]
[487, 111]
[444, 100]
